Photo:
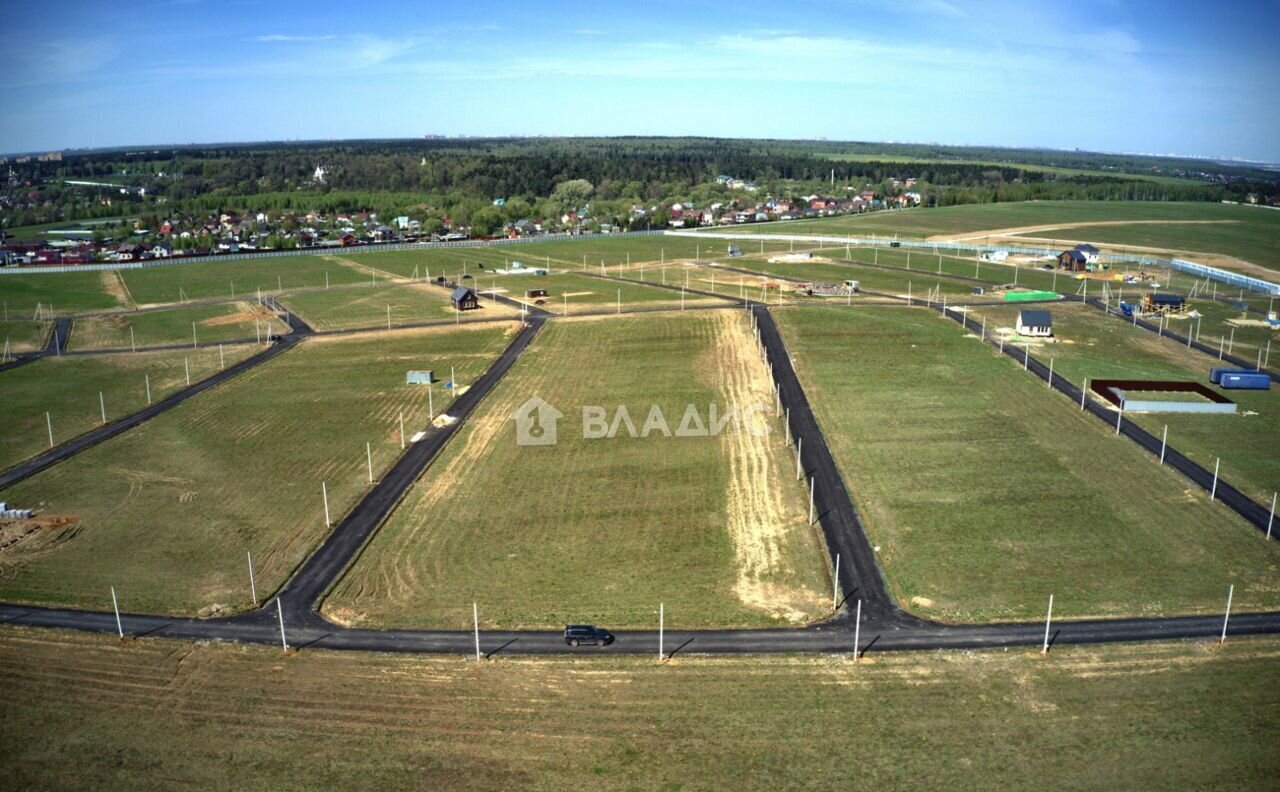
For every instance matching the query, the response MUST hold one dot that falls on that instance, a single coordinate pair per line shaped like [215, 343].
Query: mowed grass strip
[166, 512]
[82, 711]
[1087, 344]
[375, 306]
[212, 278]
[67, 388]
[24, 336]
[602, 530]
[986, 492]
[195, 325]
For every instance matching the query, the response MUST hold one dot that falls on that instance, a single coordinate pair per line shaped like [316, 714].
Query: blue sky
[1168, 77]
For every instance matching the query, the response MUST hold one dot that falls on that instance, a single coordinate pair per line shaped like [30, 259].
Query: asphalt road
[884, 626]
[301, 596]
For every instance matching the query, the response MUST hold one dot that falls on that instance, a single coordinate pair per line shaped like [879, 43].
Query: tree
[573, 192]
[485, 222]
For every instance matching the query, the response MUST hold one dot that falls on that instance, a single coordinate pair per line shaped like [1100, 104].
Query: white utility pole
[1272, 518]
[324, 493]
[49, 422]
[662, 626]
[368, 455]
[186, 366]
[102, 405]
[253, 587]
[284, 642]
[811, 500]
[835, 585]
[1048, 619]
[857, 633]
[402, 430]
[1227, 617]
[1213, 493]
[115, 605]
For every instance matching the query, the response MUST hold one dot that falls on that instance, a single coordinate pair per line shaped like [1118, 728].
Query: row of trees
[544, 178]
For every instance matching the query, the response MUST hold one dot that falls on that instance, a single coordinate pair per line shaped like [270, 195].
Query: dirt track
[1018, 235]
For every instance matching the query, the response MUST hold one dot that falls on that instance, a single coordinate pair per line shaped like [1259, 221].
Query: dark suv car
[578, 634]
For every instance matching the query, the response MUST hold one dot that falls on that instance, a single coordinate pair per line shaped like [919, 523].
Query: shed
[536, 293]
[1034, 323]
[1163, 303]
[1088, 251]
[1072, 261]
[419, 377]
[464, 299]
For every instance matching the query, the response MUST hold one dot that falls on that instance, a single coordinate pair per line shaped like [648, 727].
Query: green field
[1254, 235]
[166, 511]
[870, 279]
[216, 279]
[1091, 345]
[68, 292]
[587, 251]
[986, 492]
[1250, 233]
[85, 712]
[67, 387]
[195, 325]
[367, 306]
[24, 335]
[603, 530]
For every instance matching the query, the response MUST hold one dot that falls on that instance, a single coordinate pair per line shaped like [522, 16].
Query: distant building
[1072, 261]
[465, 299]
[1089, 251]
[1038, 324]
[1163, 303]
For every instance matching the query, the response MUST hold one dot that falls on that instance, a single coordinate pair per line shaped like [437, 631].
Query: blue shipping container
[1240, 380]
[1215, 374]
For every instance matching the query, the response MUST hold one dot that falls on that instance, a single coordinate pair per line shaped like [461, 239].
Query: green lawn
[22, 293]
[604, 529]
[917, 283]
[1092, 345]
[556, 254]
[24, 335]
[84, 712]
[986, 492]
[214, 279]
[166, 511]
[195, 325]
[367, 306]
[67, 387]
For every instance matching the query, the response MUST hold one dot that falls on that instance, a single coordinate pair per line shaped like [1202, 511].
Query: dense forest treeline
[460, 176]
